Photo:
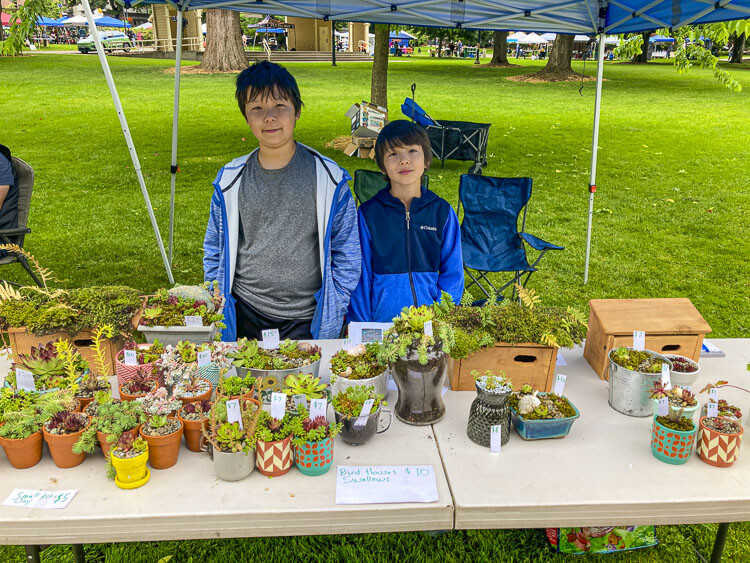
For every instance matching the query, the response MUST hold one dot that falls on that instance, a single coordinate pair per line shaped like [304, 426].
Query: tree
[558, 67]
[224, 49]
[500, 49]
[379, 81]
[642, 55]
[20, 31]
[738, 47]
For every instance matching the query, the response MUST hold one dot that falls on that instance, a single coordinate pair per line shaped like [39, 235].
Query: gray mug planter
[339, 383]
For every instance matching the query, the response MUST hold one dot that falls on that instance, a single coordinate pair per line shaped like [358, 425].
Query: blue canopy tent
[401, 37]
[48, 22]
[107, 21]
[660, 39]
[585, 17]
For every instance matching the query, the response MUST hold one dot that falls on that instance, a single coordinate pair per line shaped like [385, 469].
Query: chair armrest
[14, 232]
[539, 244]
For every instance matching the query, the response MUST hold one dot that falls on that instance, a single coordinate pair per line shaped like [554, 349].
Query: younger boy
[411, 247]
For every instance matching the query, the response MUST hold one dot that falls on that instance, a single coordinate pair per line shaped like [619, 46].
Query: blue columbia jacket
[408, 258]
[338, 239]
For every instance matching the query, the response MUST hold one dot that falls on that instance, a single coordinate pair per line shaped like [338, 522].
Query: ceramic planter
[543, 429]
[83, 402]
[314, 458]
[717, 448]
[174, 334]
[420, 387]
[681, 378]
[356, 434]
[163, 450]
[487, 410]
[131, 472]
[268, 381]
[672, 446]
[274, 459]
[201, 397]
[125, 372]
[233, 466]
[61, 448]
[629, 390]
[687, 412]
[23, 453]
[380, 382]
[192, 432]
[106, 446]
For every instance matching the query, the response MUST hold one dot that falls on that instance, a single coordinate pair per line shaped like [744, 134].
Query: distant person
[244, 41]
[8, 192]
[451, 48]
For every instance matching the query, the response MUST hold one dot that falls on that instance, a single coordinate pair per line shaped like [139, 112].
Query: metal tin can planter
[314, 458]
[629, 390]
[687, 412]
[719, 449]
[488, 410]
[543, 429]
[233, 466]
[672, 446]
[274, 459]
[339, 384]
[420, 387]
[359, 434]
[272, 380]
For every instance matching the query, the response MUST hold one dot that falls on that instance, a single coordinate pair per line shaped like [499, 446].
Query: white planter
[233, 466]
[681, 379]
[380, 382]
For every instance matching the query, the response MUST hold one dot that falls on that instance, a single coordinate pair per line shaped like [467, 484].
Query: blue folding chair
[490, 238]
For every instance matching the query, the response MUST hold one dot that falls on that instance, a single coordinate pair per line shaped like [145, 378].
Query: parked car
[111, 40]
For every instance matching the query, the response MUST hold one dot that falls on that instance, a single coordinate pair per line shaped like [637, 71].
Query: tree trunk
[379, 81]
[440, 48]
[738, 48]
[224, 50]
[500, 49]
[642, 57]
[558, 65]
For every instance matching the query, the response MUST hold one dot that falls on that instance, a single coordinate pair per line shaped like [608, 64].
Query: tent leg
[594, 151]
[333, 44]
[126, 133]
[175, 119]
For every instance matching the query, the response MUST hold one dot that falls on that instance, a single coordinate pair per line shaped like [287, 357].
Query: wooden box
[672, 326]
[21, 343]
[522, 363]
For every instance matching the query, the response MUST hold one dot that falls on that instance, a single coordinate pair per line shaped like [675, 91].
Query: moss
[640, 361]
[682, 425]
[561, 403]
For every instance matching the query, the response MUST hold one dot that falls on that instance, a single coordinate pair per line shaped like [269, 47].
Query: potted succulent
[302, 384]
[55, 365]
[231, 442]
[678, 397]
[725, 409]
[12, 400]
[193, 389]
[180, 362]
[100, 398]
[270, 367]
[538, 416]
[672, 436]
[272, 443]
[139, 385]
[684, 370]
[719, 440]
[359, 366]
[313, 444]
[164, 436]
[145, 355]
[347, 407]
[127, 464]
[418, 365]
[163, 315]
[98, 379]
[112, 420]
[490, 408]
[61, 432]
[632, 374]
[192, 416]
[236, 387]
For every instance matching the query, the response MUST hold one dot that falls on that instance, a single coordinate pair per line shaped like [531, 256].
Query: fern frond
[44, 274]
[8, 292]
[527, 296]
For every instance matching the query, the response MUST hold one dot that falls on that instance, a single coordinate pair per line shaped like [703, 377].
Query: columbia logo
[427, 228]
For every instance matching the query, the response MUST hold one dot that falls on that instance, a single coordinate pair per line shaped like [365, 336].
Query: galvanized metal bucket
[629, 390]
[273, 379]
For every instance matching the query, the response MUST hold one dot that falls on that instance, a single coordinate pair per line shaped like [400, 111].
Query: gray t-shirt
[278, 260]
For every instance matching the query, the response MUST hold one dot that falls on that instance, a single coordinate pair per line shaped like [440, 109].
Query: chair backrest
[413, 111]
[369, 182]
[489, 230]
[25, 179]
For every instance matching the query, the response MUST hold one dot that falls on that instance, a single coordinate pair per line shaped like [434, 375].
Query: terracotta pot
[196, 398]
[106, 446]
[274, 459]
[61, 448]
[163, 451]
[83, 402]
[717, 448]
[126, 397]
[250, 396]
[23, 453]
[314, 458]
[193, 433]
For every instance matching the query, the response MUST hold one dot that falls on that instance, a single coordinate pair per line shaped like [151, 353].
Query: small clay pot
[163, 451]
[106, 446]
[192, 429]
[126, 397]
[61, 447]
[201, 397]
[23, 453]
[83, 402]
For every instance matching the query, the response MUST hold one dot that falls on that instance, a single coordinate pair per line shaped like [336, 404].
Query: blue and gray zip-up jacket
[338, 239]
[408, 257]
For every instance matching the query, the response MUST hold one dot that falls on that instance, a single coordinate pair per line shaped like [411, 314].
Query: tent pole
[333, 44]
[594, 150]
[175, 119]
[126, 133]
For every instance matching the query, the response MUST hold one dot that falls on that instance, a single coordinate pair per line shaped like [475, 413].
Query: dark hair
[265, 78]
[400, 133]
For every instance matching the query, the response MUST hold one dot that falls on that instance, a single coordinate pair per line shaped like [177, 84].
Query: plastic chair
[490, 238]
[369, 182]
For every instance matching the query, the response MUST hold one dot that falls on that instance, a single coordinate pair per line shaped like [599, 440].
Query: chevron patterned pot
[274, 459]
[717, 448]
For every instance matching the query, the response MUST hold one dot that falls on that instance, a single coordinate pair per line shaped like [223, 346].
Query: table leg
[721, 538]
[32, 553]
[79, 556]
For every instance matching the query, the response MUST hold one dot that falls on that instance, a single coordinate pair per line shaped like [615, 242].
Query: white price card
[348, 344]
[713, 394]
[496, 438]
[193, 320]
[380, 484]
[560, 380]
[233, 412]
[300, 399]
[204, 358]
[663, 406]
[428, 328]
[364, 413]
[712, 410]
[639, 340]
[666, 377]
[270, 338]
[318, 407]
[278, 405]
[31, 498]
[131, 358]
[25, 380]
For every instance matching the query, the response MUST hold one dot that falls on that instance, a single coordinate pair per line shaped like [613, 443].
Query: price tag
[25, 380]
[560, 380]
[204, 358]
[663, 406]
[428, 328]
[639, 340]
[666, 376]
[364, 413]
[299, 399]
[233, 412]
[712, 410]
[193, 320]
[318, 407]
[496, 438]
[348, 344]
[278, 405]
[131, 358]
[713, 394]
[270, 338]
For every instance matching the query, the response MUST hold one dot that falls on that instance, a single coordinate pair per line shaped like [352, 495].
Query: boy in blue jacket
[411, 246]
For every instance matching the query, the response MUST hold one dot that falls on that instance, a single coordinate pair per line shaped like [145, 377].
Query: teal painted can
[672, 446]
[314, 458]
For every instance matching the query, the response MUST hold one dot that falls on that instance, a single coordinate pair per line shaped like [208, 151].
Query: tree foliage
[20, 31]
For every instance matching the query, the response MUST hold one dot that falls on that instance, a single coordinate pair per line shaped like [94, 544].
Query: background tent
[106, 21]
[75, 21]
[660, 39]
[48, 22]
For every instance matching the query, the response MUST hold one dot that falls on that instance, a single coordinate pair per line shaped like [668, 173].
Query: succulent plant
[312, 430]
[66, 422]
[361, 362]
[141, 383]
[289, 355]
[492, 382]
[407, 334]
[304, 384]
[349, 402]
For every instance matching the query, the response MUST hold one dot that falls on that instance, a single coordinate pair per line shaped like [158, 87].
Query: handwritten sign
[639, 340]
[348, 344]
[380, 484]
[712, 410]
[663, 406]
[131, 358]
[666, 376]
[278, 405]
[270, 338]
[204, 358]
[193, 320]
[496, 438]
[31, 498]
[25, 380]
[364, 413]
[318, 407]
[560, 380]
[428, 328]
[713, 394]
[233, 412]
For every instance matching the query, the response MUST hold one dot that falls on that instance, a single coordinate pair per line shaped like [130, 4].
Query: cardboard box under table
[367, 120]
[672, 326]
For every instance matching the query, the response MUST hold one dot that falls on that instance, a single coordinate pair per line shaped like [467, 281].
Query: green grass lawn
[670, 219]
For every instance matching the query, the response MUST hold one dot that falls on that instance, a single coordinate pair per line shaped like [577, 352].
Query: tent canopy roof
[270, 22]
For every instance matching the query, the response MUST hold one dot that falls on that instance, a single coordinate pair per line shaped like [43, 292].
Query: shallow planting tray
[543, 429]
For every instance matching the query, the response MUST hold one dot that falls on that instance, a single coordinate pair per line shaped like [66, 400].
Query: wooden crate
[21, 343]
[522, 363]
[672, 326]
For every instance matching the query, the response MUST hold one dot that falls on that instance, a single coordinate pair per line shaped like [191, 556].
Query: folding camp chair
[25, 178]
[490, 238]
[369, 182]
